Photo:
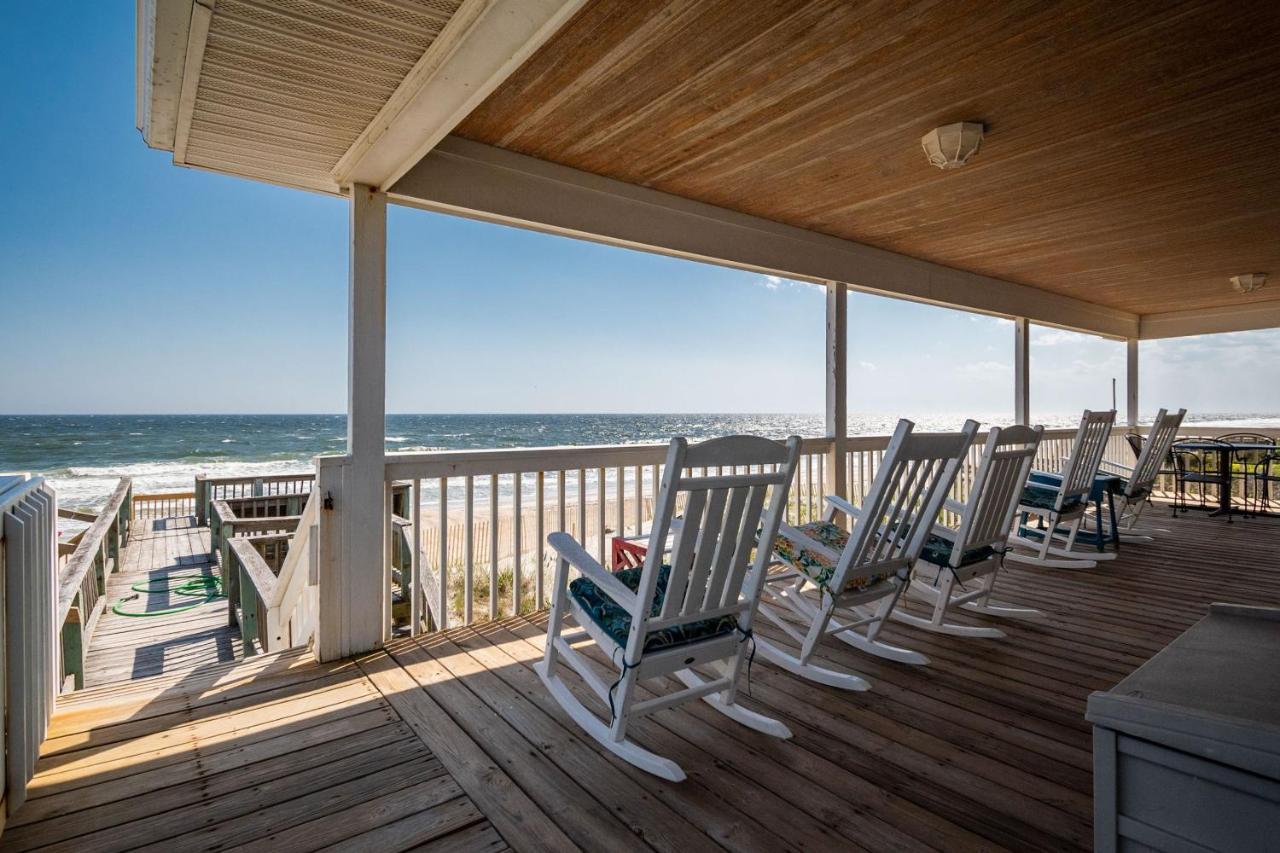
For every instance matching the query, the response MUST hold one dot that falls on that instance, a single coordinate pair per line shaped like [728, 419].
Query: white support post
[354, 589]
[837, 385]
[1131, 380]
[1022, 370]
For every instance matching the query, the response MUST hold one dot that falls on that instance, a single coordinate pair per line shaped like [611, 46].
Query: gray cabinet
[1187, 748]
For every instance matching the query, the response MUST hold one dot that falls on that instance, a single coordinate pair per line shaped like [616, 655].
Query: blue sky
[134, 286]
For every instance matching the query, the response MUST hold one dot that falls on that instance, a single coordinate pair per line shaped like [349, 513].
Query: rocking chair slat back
[713, 556]
[1164, 431]
[1002, 470]
[913, 480]
[1086, 454]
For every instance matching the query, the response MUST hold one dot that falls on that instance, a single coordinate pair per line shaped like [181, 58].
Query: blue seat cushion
[937, 550]
[1043, 497]
[615, 621]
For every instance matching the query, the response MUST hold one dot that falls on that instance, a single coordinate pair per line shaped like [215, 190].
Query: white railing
[209, 489]
[29, 680]
[479, 519]
[471, 543]
[164, 505]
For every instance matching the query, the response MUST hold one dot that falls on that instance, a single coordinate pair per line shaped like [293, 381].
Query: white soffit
[319, 94]
[278, 90]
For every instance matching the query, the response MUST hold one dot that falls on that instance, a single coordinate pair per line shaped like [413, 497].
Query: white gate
[28, 605]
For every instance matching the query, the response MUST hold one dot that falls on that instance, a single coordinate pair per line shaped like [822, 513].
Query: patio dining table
[1224, 449]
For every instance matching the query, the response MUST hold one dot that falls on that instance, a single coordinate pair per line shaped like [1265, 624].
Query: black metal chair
[1194, 466]
[1248, 462]
[1265, 474]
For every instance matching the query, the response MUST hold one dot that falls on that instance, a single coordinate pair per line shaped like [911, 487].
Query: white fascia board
[483, 182]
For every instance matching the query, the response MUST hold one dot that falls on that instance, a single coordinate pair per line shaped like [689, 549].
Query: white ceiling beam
[1211, 321]
[482, 182]
[483, 43]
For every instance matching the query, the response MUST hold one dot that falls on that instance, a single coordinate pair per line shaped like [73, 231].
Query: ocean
[85, 455]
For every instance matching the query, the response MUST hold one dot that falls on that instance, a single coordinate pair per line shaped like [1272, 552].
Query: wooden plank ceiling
[287, 85]
[1131, 150]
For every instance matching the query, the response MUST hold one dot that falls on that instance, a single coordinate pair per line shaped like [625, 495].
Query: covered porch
[1120, 190]
[1124, 179]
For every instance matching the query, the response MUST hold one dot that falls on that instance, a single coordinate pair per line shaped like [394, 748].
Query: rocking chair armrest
[575, 555]
[807, 543]
[953, 505]
[838, 503]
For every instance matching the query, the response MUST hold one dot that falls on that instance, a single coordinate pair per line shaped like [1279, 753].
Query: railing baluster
[582, 508]
[619, 496]
[637, 493]
[415, 563]
[601, 494]
[469, 552]
[540, 535]
[442, 589]
[493, 546]
[516, 513]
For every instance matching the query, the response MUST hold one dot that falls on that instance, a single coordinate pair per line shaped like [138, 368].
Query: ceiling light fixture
[951, 146]
[1249, 282]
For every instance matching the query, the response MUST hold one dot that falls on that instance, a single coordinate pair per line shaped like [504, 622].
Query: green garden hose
[204, 588]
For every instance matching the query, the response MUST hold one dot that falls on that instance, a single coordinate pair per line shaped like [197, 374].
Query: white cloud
[777, 282]
[868, 366]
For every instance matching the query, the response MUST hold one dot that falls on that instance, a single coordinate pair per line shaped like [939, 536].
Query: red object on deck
[627, 554]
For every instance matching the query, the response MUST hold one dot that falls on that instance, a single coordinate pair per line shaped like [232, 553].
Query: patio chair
[1193, 465]
[972, 551]
[1249, 461]
[826, 566]
[1135, 495]
[1060, 506]
[1266, 474]
[691, 608]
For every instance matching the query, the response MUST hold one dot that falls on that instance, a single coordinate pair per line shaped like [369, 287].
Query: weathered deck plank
[124, 648]
[985, 748]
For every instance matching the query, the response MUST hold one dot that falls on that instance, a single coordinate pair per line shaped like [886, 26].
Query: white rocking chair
[1142, 476]
[691, 608]
[1062, 506]
[972, 551]
[869, 565]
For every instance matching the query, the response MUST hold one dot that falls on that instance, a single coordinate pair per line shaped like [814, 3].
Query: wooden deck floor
[124, 648]
[449, 741]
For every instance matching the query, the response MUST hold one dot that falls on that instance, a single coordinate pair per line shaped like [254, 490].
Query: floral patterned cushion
[937, 550]
[1043, 497]
[616, 621]
[817, 567]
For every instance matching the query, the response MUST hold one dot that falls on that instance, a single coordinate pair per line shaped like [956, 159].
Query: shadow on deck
[449, 742]
[160, 552]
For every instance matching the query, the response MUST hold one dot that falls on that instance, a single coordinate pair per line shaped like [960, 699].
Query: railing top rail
[271, 522]
[265, 478]
[451, 463]
[260, 574]
[163, 496]
[81, 560]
